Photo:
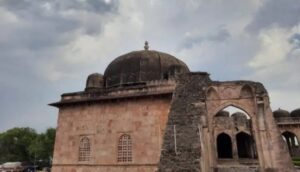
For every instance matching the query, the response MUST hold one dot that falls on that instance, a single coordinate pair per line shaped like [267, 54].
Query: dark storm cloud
[32, 32]
[283, 13]
[37, 29]
[49, 16]
[48, 47]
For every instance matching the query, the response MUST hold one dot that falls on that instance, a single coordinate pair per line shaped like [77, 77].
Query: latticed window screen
[125, 149]
[84, 149]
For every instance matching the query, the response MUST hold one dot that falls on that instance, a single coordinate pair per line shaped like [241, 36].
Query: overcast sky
[48, 47]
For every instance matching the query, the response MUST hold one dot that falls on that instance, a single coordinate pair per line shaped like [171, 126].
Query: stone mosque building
[150, 113]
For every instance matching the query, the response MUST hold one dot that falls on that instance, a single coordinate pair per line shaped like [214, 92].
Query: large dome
[139, 67]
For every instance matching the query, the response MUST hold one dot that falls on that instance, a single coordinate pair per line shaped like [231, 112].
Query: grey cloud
[295, 40]
[30, 44]
[98, 6]
[284, 13]
[37, 14]
[38, 34]
[219, 36]
[46, 26]
[15, 4]
[38, 30]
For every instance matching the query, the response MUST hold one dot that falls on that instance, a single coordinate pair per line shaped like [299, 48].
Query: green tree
[50, 140]
[14, 144]
[42, 146]
[24, 144]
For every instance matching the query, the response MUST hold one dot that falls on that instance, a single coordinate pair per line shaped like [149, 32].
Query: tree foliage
[25, 144]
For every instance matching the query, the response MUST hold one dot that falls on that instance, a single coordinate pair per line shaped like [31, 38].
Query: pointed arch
[231, 109]
[233, 104]
[84, 149]
[246, 91]
[212, 93]
[292, 142]
[245, 145]
[125, 148]
[224, 146]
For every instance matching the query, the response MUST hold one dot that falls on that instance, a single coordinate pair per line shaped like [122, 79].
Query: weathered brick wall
[144, 119]
[181, 145]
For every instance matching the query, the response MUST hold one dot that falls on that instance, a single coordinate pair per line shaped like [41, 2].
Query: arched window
[125, 148]
[212, 93]
[245, 145]
[292, 143]
[224, 146]
[84, 149]
[232, 110]
[246, 92]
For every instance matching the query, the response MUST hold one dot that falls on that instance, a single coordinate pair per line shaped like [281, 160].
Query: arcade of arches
[244, 142]
[292, 142]
[289, 126]
[235, 140]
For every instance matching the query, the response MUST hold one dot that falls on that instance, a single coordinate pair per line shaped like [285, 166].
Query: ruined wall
[292, 131]
[144, 119]
[181, 151]
[295, 129]
[190, 137]
[253, 99]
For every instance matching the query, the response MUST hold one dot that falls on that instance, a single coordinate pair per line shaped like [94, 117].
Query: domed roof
[94, 81]
[223, 113]
[237, 116]
[295, 113]
[281, 113]
[139, 67]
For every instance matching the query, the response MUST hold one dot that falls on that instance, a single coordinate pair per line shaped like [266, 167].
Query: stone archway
[245, 145]
[292, 142]
[224, 146]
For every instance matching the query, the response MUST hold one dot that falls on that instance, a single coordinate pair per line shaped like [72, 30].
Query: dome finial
[146, 45]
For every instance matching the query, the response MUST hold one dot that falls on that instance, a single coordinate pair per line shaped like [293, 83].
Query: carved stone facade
[158, 116]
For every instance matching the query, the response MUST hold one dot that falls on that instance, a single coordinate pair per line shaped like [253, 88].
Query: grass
[296, 161]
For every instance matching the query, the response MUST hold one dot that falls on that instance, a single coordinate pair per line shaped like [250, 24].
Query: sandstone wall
[144, 119]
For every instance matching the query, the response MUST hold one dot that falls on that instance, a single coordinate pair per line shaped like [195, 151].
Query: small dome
[139, 67]
[223, 113]
[281, 113]
[295, 113]
[94, 81]
[239, 116]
